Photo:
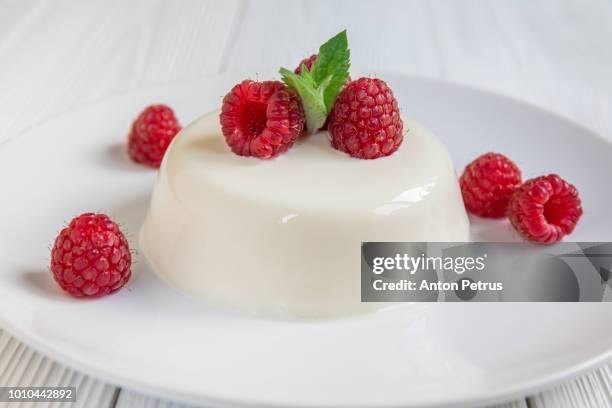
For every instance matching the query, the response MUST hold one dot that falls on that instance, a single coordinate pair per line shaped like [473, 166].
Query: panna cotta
[283, 236]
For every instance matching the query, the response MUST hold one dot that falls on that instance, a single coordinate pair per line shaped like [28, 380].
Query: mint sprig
[319, 87]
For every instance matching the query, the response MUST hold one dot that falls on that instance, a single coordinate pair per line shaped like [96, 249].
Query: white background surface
[57, 55]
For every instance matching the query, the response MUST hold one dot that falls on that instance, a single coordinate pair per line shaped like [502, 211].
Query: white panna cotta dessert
[283, 236]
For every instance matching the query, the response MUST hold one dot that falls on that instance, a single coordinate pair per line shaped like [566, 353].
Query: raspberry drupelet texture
[151, 134]
[545, 209]
[365, 121]
[306, 61]
[91, 257]
[261, 119]
[487, 184]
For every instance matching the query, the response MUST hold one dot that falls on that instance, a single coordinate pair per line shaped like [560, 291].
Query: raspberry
[309, 62]
[365, 121]
[91, 257]
[545, 209]
[306, 61]
[487, 184]
[261, 119]
[151, 134]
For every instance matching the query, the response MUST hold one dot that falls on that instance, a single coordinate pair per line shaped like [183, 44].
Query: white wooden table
[56, 55]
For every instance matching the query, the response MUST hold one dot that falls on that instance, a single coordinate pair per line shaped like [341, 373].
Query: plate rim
[507, 394]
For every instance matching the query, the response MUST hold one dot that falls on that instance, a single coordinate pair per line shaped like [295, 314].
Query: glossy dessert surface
[282, 236]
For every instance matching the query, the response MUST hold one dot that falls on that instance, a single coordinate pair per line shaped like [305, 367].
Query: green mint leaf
[331, 68]
[319, 87]
[312, 101]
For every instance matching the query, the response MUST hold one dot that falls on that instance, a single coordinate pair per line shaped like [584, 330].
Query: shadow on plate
[42, 282]
[115, 156]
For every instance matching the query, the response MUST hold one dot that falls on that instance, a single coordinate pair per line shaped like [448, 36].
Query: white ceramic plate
[151, 338]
